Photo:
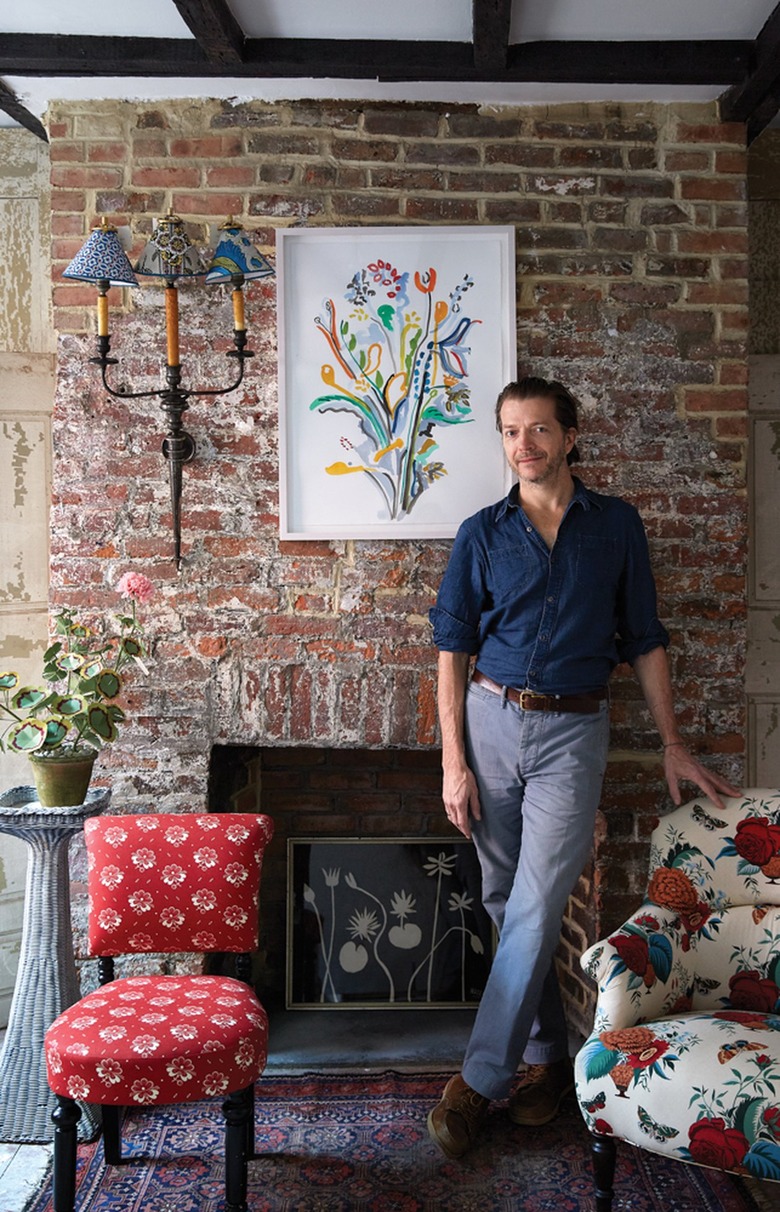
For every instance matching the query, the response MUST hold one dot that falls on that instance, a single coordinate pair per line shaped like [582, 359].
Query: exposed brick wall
[631, 286]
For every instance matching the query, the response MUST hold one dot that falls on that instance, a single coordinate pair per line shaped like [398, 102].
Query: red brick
[229, 177]
[712, 189]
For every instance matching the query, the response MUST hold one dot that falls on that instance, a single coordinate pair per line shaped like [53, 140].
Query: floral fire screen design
[402, 347]
[396, 923]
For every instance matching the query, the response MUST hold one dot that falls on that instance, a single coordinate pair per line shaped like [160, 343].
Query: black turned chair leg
[604, 1157]
[65, 1117]
[112, 1134]
[236, 1112]
[250, 1127]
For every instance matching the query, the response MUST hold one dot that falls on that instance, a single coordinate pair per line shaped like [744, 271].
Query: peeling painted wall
[26, 395]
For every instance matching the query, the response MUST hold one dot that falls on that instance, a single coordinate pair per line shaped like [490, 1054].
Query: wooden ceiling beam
[215, 29]
[490, 22]
[14, 108]
[755, 99]
[676, 63]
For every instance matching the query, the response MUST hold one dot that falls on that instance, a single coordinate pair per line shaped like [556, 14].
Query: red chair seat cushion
[158, 1039]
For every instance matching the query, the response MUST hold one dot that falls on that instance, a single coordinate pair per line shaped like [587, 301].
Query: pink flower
[136, 586]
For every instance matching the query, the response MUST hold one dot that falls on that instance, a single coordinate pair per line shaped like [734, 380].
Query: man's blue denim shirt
[553, 621]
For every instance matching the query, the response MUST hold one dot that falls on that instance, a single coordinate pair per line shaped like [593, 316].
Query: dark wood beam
[490, 22]
[677, 63]
[215, 29]
[763, 114]
[752, 99]
[14, 108]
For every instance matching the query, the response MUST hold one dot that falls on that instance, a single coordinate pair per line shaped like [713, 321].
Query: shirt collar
[582, 496]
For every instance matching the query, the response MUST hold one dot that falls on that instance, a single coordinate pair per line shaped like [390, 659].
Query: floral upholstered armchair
[684, 1057]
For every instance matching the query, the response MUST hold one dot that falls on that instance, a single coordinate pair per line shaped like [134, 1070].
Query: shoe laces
[471, 1107]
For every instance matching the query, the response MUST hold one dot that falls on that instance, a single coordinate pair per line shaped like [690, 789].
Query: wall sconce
[170, 255]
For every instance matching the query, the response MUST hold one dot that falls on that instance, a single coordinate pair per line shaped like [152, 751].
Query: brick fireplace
[299, 676]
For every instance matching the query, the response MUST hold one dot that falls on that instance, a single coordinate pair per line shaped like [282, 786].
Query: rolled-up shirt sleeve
[456, 616]
[639, 628]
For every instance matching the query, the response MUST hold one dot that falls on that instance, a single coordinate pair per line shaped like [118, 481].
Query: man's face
[535, 442]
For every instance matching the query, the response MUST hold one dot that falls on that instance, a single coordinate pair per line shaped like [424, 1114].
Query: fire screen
[396, 923]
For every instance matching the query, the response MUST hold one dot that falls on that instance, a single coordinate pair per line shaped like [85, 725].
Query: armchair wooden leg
[65, 1117]
[604, 1149]
[112, 1134]
[236, 1112]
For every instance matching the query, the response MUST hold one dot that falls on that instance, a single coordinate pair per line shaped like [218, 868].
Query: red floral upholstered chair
[165, 884]
[684, 1058]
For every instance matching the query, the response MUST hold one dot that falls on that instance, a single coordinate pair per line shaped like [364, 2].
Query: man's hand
[461, 798]
[682, 766]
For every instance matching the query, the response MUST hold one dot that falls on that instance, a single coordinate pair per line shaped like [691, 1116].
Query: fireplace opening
[313, 793]
[372, 795]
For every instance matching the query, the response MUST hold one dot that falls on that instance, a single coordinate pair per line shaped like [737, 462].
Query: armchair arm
[643, 970]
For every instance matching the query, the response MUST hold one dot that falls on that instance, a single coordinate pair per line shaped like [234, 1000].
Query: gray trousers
[539, 778]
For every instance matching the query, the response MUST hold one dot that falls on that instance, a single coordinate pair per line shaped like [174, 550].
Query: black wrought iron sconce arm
[178, 445]
[170, 255]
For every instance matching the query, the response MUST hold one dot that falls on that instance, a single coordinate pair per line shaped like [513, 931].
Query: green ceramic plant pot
[62, 778]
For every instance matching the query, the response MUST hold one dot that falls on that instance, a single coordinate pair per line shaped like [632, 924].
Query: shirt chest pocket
[512, 571]
[599, 562]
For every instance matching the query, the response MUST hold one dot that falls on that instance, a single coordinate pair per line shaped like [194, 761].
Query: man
[549, 589]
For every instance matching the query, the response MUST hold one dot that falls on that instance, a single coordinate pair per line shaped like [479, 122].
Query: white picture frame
[393, 345]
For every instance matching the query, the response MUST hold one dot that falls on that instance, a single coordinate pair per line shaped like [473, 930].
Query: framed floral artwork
[391, 924]
[393, 345]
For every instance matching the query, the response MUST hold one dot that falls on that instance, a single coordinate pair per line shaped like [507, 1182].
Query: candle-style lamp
[171, 255]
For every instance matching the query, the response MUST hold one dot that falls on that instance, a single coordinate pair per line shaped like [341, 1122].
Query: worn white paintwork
[26, 395]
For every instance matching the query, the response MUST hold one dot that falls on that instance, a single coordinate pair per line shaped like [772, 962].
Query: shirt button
[532, 673]
[551, 600]
[529, 529]
[542, 636]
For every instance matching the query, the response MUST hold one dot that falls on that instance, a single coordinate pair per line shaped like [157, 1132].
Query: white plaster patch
[565, 185]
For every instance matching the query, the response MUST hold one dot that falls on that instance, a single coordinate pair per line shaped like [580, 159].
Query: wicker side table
[46, 980]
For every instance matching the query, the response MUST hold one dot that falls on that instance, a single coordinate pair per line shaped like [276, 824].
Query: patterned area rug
[360, 1144]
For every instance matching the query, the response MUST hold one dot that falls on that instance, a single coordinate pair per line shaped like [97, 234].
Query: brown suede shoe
[454, 1122]
[540, 1093]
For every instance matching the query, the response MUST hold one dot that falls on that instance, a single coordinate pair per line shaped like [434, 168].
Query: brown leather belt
[529, 700]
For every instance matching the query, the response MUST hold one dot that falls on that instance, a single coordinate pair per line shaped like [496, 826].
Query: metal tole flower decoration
[373, 942]
[400, 365]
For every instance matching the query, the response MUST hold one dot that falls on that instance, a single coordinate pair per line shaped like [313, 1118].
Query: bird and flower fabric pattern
[684, 1057]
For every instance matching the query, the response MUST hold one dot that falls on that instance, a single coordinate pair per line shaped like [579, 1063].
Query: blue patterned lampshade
[170, 253]
[235, 256]
[102, 259]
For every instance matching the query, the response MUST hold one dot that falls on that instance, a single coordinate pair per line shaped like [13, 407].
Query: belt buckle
[530, 694]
